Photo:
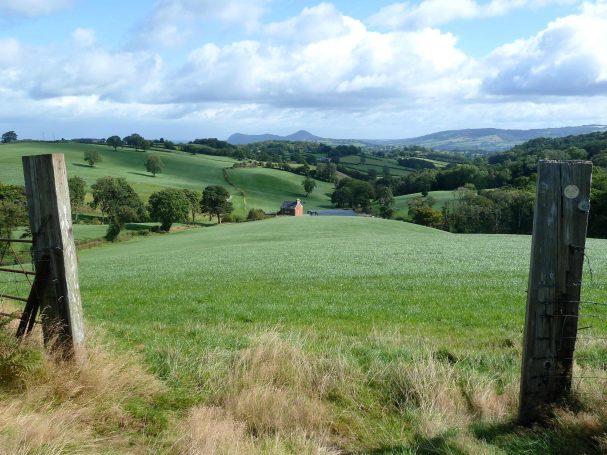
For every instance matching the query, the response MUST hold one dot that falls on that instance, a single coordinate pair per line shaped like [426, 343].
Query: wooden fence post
[555, 279]
[50, 216]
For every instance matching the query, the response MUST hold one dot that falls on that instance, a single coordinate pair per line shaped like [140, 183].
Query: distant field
[265, 188]
[401, 203]
[376, 163]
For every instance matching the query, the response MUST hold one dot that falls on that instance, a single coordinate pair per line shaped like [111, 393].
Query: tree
[13, 212]
[9, 136]
[114, 141]
[154, 165]
[193, 198]
[215, 201]
[353, 193]
[116, 198]
[77, 188]
[134, 140]
[168, 206]
[427, 216]
[308, 185]
[92, 157]
[386, 201]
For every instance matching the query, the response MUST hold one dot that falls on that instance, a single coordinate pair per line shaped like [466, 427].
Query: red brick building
[291, 208]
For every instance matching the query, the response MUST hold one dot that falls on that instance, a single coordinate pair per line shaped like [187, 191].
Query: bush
[256, 214]
[232, 218]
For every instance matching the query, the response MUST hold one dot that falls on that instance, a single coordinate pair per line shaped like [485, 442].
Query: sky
[186, 69]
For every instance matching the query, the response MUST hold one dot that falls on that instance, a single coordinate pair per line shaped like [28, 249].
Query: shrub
[256, 214]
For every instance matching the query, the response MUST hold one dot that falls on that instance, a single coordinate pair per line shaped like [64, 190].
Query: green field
[264, 188]
[376, 163]
[268, 188]
[367, 299]
[401, 203]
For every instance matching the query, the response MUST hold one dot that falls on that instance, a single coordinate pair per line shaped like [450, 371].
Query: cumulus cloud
[336, 61]
[86, 70]
[172, 22]
[568, 58]
[33, 7]
[317, 68]
[437, 12]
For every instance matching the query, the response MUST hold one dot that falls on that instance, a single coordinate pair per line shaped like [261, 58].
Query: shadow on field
[141, 174]
[554, 439]
[83, 165]
[138, 227]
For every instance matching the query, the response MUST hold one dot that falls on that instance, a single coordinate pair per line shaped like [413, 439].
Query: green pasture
[372, 162]
[363, 293]
[250, 187]
[267, 188]
[401, 203]
[181, 170]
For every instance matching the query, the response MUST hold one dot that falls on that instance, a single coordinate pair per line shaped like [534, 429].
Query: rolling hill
[465, 140]
[301, 135]
[265, 188]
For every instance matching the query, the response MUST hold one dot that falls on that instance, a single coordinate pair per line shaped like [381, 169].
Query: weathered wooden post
[50, 216]
[555, 279]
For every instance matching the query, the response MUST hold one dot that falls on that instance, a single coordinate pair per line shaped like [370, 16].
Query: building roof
[290, 204]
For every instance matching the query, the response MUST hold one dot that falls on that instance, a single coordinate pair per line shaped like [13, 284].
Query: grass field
[268, 188]
[376, 163]
[264, 188]
[374, 336]
[401, 203]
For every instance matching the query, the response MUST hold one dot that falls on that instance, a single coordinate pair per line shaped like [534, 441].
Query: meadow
[330, 335]
[250, 187]
[401, 203]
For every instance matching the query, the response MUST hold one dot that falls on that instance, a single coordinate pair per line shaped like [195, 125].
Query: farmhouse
[292, 208]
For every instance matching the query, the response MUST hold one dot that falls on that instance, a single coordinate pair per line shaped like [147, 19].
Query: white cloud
[85, 70]
[10, 52]
[334, 62]
[172, 22]
[437, 12]
[84, 37]
[320, 70]
[33, 7]
[568, 58]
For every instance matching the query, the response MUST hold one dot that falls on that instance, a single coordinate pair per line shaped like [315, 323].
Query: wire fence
[589, 374]
[16, 277]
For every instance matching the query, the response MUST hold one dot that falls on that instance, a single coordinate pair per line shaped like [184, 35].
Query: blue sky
[184, 69]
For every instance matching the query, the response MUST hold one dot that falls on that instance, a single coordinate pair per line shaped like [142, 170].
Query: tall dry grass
[277, 397]
[52, 406]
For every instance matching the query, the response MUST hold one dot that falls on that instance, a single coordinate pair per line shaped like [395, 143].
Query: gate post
[555, 278]
[48, 203]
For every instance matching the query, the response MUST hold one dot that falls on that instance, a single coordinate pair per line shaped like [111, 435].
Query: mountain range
[466, 140]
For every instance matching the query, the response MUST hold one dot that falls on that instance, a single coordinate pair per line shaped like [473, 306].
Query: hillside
[490, 139]
[182, 170]
[323, 335]
[466, 140]
[301, 135]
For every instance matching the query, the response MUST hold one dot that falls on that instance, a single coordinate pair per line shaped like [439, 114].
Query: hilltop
[301, 135]
[464, 140]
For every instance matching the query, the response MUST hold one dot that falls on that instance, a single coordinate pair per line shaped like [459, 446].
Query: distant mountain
[468, 140]
[488, 139]
[301, 135]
